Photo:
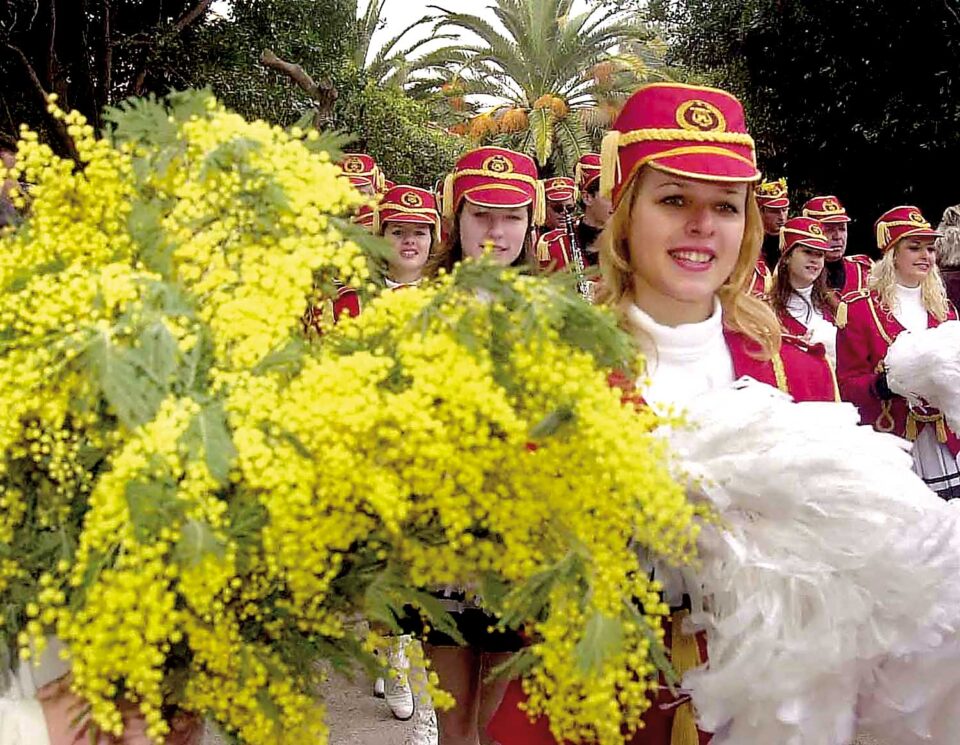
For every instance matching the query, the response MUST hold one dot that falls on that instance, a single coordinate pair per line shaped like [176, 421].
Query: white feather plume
[834, 583]
[926, 365]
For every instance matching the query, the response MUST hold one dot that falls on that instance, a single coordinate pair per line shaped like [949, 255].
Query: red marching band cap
[802, 231]
[408, 204]
[773, 195]
[362, 170]
[902, 222]
[687, 130]
[364, 216]
[826, 209]
[559, 189]
[494, 177]
[587, 171]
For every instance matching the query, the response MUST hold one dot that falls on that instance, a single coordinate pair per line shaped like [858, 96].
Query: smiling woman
[906, 294]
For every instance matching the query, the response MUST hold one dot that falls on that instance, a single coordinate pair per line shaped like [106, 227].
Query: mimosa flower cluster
[200, 503]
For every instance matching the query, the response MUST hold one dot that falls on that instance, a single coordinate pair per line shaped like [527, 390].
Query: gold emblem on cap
[831, 205]
[352, 165]
[411, 199]
[817, 231]
[917, 218]
[498, 164]
[700, 116]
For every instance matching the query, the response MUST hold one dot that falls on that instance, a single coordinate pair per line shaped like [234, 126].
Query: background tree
[91, 53]
[556, 76]
[856, 97]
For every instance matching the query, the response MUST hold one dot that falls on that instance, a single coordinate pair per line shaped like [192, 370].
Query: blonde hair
[742, 312]
[948, 247]
[883, 281]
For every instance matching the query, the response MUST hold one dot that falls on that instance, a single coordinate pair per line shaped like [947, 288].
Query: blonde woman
[677, 259]
[905, 293]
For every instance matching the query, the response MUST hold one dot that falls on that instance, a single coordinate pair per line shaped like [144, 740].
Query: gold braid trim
[781, 373]
[685, 135]
[684, 656]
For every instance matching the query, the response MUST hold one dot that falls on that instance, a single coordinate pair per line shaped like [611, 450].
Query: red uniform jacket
[867, 329]
[857, 272]
[327, 312]
[762, 279]
[804, 373]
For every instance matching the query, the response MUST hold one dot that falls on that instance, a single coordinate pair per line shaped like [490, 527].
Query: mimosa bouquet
[200, 504]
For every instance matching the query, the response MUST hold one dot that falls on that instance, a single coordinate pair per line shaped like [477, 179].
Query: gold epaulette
[543, 245]
[860, 259]
[851, 297]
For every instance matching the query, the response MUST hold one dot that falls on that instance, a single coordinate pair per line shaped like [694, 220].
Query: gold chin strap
[685, 656]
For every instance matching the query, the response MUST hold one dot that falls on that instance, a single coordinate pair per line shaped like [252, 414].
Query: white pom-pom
[836, 570]
[926, 365]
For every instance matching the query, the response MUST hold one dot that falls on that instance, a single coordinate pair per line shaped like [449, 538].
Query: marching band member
[492, 198]
[367, 178]
[799, 297]
[845, 274]
[553, 248]
[561, 193]
[408, 218]
[677, 259]
[774, 201]
[905, 294]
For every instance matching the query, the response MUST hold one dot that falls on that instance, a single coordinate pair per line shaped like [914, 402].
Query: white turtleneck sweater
[682, 361]
[909, 309]
[800, 306]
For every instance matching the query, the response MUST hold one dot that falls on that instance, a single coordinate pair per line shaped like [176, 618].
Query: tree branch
[324, 94]
[58, 126]
[106, 61]
[193, 14]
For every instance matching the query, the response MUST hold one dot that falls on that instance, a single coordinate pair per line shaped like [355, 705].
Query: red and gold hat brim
[413, 217]
[705, 163]
[560, 193]
[777, 203]
[361, 181]
[499, 195]
[911, 233]
[828, 218]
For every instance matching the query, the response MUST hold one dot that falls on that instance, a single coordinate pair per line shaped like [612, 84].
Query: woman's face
[913, 259]
[684, 242]
[503, 227]
[411, 247]
[804, 266]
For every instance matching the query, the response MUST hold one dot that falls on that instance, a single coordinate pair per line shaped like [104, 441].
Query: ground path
[357, 718]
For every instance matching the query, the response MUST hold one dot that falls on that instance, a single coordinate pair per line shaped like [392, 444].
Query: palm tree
[557, 78]
[390, 64]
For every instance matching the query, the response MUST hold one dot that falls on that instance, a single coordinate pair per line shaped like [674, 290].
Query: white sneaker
[398, 695]
[378, 688]
[424, 731]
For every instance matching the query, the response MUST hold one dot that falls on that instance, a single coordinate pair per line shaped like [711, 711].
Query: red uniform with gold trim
[799, 369]
[868, 328]
[762, 279]
[324, 313]
[553, 249]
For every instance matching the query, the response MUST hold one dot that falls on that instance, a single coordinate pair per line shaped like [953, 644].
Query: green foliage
[838, 96]
[546, 48]
[395, 130]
